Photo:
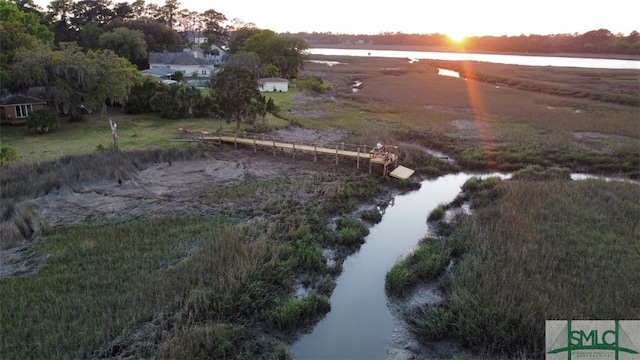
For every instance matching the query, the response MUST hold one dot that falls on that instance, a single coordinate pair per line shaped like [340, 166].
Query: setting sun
[456, 39]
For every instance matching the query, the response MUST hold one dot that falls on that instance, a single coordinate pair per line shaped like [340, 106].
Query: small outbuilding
[274, 85]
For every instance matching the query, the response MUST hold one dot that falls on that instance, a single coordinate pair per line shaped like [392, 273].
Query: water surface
[529, 60]
[360, 324]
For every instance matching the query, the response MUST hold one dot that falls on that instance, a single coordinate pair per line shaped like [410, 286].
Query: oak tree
[235, 91]
[75, 78]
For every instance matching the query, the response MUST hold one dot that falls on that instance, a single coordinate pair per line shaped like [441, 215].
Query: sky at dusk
[456, 18]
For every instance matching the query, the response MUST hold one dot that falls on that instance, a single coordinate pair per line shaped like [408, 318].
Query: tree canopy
[235, 91]
[285, 53]
[127, 43]
[75, 77]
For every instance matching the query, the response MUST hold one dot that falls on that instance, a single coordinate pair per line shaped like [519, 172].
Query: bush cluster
[42, 120]
[296, 312]
[351, 232]
[426, 263]
[7, 154]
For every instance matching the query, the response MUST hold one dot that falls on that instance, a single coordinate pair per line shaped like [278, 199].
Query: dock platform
[387, 158]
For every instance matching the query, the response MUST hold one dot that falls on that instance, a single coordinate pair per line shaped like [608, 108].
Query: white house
[189, 63]
[274, 85]
[219, 55]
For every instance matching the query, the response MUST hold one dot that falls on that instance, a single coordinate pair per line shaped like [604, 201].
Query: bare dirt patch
[603, 143]
[469, 125]
[309, 136]
[163, 189]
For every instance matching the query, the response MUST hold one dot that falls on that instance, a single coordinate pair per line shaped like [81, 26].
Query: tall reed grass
[540, 250]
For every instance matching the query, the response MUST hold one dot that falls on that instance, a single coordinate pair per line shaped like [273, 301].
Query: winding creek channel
[361, 323]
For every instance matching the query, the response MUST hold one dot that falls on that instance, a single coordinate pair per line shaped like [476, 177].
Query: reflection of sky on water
[445, 72]
[588, 63]
[327, 62]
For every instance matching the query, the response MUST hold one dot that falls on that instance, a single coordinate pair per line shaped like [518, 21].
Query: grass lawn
[135, 132]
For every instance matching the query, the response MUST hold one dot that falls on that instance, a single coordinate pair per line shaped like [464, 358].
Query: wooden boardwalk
[385, 159]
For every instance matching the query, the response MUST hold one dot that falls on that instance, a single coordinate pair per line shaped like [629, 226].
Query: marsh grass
[70, 307]
[599, 84]
[19, 224]
[426, 263]
[296, 312]
[485, 126]
[371, 215]
[217, 341]
[541, 250]
[51, 175]
[304, 255]
[539, 173]
[437, 213]
[23, 181]
[216, 284]
[351, 232]
[103, 280]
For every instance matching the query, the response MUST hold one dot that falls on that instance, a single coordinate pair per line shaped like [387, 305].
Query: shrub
[296, 312]
[371, 215]
[303, 254]
[314, 83]
[399, 279]
[538, 173]
[431, 259]
[42, 120]
[351, 232]
[436, 214]
[7, 153]
[431, 323]
[475, 184]
[473, 159]
[426, 263]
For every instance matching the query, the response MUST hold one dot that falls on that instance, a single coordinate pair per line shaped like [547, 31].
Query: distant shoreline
[457, 50]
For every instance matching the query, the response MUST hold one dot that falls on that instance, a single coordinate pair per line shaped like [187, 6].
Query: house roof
[19, 99]
[220, 50]
[274, 79]
[177, 59]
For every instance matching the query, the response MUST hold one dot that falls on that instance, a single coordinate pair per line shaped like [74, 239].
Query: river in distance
[528, 60]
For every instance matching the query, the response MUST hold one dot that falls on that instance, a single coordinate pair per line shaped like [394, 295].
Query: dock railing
[360, 152]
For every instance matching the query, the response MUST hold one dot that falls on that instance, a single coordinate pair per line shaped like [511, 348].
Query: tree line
[601, 41]
[90, 52]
